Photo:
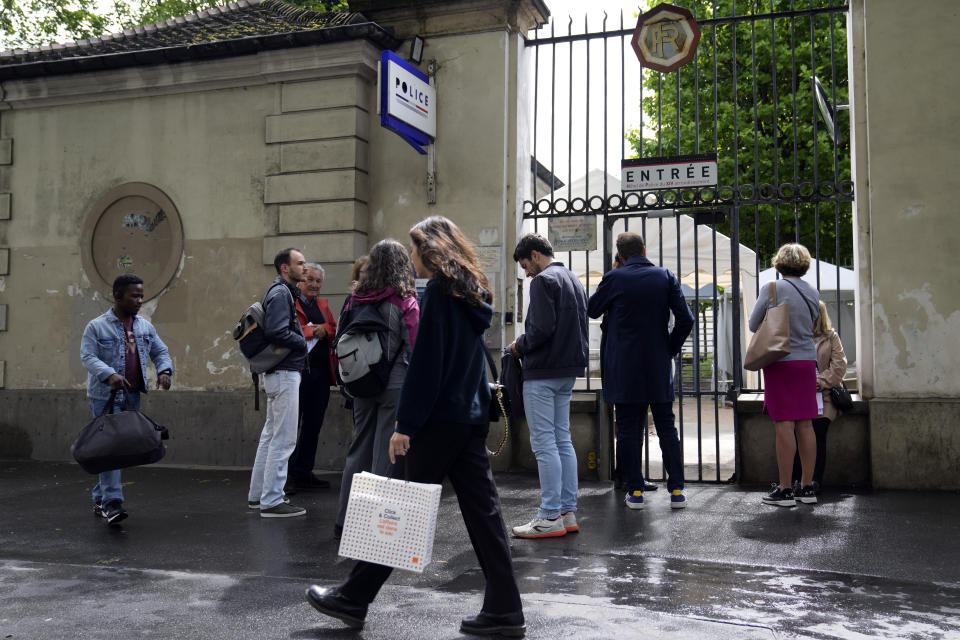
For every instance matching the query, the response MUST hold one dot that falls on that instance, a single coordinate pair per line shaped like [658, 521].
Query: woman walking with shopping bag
[442, 424]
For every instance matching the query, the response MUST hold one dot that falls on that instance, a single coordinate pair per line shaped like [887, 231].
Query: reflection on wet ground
[192, 561]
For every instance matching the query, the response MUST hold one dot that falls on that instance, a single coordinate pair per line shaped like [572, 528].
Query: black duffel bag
[119, 440]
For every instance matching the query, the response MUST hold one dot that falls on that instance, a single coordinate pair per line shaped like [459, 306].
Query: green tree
[35, 22]
[758, 114]
[30, 23]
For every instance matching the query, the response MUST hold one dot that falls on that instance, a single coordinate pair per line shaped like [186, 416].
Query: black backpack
[361, 349]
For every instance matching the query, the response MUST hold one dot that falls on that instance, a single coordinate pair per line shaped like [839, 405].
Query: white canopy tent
[691, 251]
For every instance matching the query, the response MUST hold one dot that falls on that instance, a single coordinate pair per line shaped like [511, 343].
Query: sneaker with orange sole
[570, 522]
[541, 528]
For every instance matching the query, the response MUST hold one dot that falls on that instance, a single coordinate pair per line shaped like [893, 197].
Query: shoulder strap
[813, 317]
[396, 356]
[263, 299]
[493, 367]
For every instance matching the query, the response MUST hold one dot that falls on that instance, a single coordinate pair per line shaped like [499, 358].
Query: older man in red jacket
[319, 328]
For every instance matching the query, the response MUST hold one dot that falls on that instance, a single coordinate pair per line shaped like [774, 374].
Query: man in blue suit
[638, 360]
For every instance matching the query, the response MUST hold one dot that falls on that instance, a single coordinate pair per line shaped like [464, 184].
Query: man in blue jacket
[282, 385]
[553, 350]
[114, 351]
[638, 360]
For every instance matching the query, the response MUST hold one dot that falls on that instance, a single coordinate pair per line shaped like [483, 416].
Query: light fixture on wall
[416, 50]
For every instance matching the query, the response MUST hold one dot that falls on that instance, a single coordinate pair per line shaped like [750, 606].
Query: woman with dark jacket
[831, 365]
[790, 384]
[385, 280]
[442, 424]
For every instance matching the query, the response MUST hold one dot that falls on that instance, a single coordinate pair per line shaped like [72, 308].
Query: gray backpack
[361, 348]
[260, 354]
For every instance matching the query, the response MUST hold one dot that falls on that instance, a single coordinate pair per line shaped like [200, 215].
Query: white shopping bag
[390, 522]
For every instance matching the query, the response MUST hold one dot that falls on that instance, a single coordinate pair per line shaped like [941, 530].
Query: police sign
[666, 37]
[406, 101]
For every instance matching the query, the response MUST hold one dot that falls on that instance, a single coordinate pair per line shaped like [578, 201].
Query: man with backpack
[282, 384]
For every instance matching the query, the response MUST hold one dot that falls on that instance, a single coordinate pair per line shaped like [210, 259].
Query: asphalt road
[193, 562]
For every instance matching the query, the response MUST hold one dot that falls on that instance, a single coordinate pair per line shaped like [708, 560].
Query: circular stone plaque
[133, 228]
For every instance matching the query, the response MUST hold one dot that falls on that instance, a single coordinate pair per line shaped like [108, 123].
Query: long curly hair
[388, 265]
[447, 252]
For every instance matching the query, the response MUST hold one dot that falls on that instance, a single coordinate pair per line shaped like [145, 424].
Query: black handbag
[119, 440]
[841, 398]
[499, 400]
[499, 404]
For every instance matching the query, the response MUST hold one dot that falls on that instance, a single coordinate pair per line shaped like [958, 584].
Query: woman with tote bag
[442, 424]
[790, 383]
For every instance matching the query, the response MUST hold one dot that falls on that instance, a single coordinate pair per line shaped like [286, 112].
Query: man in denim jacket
[114, 351]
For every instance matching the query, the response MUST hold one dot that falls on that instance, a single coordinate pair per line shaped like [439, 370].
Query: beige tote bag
[771, 342]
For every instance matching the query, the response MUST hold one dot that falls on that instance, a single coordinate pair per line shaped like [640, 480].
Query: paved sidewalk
[193, 562]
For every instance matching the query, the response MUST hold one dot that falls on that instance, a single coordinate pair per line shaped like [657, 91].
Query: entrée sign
[641, 174]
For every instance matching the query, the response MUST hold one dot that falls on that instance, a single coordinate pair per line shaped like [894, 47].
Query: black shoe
[780, 497]
[310, 482]
[331, 602]
[807, 495]
[114, 512]
[489, 624]
[98, 510]
[337, 531]
[649, 486]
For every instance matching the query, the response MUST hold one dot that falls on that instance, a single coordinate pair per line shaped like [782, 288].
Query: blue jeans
[547, 405]
[631, 420]
[108, 487]
[278, 438]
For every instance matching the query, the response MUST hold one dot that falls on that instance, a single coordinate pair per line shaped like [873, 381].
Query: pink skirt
[790, 390]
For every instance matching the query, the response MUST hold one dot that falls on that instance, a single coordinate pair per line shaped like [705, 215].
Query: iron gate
[764, 92]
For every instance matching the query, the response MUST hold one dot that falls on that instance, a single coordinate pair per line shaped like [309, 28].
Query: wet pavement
[193, 562]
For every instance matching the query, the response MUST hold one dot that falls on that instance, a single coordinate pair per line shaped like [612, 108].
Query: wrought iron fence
[764, 92]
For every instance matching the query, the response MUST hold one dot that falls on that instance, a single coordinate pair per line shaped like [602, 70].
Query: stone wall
[904, 110]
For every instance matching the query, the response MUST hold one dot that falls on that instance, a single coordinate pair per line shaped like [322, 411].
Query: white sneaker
[570, 522]
[541, 528]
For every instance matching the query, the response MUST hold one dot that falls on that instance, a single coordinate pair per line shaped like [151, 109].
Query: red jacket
[330, 325]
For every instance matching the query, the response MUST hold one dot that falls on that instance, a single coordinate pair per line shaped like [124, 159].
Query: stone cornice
[357, 57]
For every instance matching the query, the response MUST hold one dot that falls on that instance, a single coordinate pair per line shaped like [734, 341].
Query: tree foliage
[747, 96]
[30, 23]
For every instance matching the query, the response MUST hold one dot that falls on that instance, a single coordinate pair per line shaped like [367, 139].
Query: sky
[568, 155]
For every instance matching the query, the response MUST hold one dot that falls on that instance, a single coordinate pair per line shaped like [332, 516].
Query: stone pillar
[6, 160]
[322, 187]
[904, 111]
